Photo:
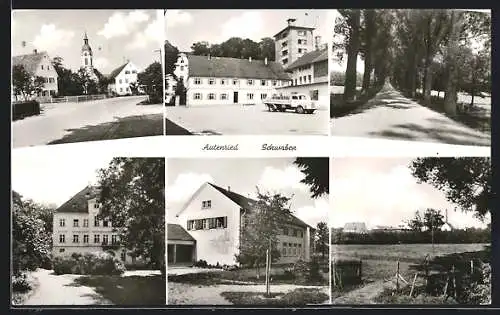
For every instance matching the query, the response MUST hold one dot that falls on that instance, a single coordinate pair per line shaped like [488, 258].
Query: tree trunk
[370, 34]
[367, 73]
[427, 86]
[450, 95]
[352, 56]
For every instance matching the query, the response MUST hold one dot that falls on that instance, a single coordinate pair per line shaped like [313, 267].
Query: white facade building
[38, 64]
[121, 79]
[292, 42]
[77, 229]
[212, 220]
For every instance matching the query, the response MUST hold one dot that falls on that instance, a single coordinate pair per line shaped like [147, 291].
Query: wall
[124, 79]
[303, 253]
[292, 45]
[214, 245]
[46, 70]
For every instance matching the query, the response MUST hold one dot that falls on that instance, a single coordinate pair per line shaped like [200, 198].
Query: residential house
[355, 227]
[121, 78]
[77, 228]
[292, 42]
[211, 223]
[221, 80]
[38, 64]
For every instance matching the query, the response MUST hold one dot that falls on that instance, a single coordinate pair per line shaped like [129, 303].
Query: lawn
[128, 127]
[296, 297]
[131, 290]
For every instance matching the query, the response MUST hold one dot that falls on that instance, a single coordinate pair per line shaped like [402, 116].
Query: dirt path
[365, 294]
[391, 115]
[62, 290]
[181, 293]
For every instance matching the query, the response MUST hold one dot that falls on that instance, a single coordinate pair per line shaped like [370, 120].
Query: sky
[183, 27]
[186, 175]
[382, 191]
[54, 176]
[114, 36]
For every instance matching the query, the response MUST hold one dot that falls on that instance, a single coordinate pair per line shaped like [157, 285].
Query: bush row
[25, 109]
[101, 263]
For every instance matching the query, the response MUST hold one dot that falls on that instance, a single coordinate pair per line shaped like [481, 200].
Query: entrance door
[235, 97]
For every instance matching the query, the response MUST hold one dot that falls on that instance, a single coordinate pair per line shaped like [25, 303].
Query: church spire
[85, 38]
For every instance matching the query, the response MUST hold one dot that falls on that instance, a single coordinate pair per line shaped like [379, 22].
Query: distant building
[87, 59]
[388, 228]
[292, 42]
[446, 226]
[170, 86]
[355, 227]
[38, 64]
[121, 78]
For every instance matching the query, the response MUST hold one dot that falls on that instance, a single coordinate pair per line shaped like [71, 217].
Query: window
[123, 256]
[211, 96]
[285, 231]
[284, 44]
[96, 221]
[181, 78]
[301, 33]
[51, 80]
[206, 204]
[120, 81]
[75, 238]
[197, 81]
[304, 50]
[105, 239]
[85, 222]
[250, 96]
[284, 52]
[283, 251]
[182, 68]
[75, 223]
[61, 250]
[295, 232]
[301, 233]
[222, 81]
[96, 206]
[197, 96]
[121, 89]
[300, 80]
[211, 81]
[42, 67]
[97, 238]
[205, 224]
[127, 72]
[105, 223]
[190, 225]
[285, 61]
[86, 62]
[300, 50]
[314, 95]
[250, 82]
[114, 239]
[62, 222]
[86, 239]
[263, 82]
[48, 67]
[182, 60]
[134, 71]
[221, 222]
[62, 238]
[126, 80]
[223, 96]
[310, 78]
[295, 81]
[263, 96]
[235, 82]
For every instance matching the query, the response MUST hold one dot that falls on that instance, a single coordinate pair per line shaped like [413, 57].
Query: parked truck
[298, 102]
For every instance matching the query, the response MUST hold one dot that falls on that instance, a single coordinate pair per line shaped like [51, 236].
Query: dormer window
[206, 204]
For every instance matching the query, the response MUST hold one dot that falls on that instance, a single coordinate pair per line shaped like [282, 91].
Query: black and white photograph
[87, 232]
[412, 74]
[411, 230]
[252, 235]
[247, 72]
[85, 75]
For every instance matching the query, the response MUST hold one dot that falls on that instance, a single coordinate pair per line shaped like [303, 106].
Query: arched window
[86, 61]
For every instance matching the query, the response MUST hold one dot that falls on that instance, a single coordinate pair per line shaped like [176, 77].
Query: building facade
[121, 78]
[213, 218]
[292, 42]
[220, 80]
[77, 228]
[38, 64]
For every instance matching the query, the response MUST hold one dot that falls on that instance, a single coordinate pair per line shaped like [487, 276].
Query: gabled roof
[178, 233]
[310, 58]
[117, 71]
[29, 61]
[202, 66]
[78, 203]
[355, 226]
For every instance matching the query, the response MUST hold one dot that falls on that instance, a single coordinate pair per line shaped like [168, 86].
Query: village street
[243, 120]
[111, 118]
[391, 115]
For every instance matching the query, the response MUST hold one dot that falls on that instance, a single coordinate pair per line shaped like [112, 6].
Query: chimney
[265, 61]
[228, 188]
[291, 22]
[317, 42]
[250, 58]
[35, 51]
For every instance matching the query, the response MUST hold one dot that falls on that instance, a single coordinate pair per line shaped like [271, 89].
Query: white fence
[73, 99]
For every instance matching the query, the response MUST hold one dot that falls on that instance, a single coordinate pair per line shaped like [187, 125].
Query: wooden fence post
[397, 278]
[334, 274]
[454, 282]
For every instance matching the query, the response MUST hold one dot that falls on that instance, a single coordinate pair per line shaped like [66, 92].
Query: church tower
[87, 62]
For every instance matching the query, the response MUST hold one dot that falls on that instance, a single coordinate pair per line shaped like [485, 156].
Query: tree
[171, 53]
[267, 48]
[433, 219]
[416, 223]
[181, 91]
[200, 48]
[260, 228]
[321, 239]
[316, 174]
[370, 31]
[133, 198]
[152, 80]
[353, 17]
[24, 83]
[465, 181]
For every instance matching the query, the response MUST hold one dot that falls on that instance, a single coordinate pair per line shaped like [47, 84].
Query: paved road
[391, 115]
[62, 290]
[246, 120]
[57, 119]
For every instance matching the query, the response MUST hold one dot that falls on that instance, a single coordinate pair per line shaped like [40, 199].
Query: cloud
[50, 38]
[154, 32]
[175, 18]
[185, 185]
[120, 24]
[313, 214]
[274, 179]
[101, 63]
[247, 25]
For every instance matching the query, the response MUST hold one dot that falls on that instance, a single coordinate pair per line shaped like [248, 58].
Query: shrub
[20, 283]
[314, 274]
[25, 109]
[201, 264]
[88, 264]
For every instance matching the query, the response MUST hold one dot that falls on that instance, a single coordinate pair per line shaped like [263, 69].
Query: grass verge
[297, 297]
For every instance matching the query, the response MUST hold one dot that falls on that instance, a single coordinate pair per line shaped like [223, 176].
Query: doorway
[235, 97]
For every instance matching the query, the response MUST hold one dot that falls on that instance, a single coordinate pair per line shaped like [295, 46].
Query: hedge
[101, 263]
[25, 109]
